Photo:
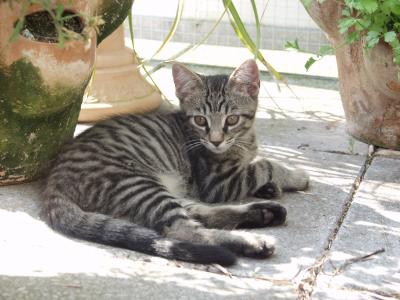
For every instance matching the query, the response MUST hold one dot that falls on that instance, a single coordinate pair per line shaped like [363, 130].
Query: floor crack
[309, 276]
[377, 294]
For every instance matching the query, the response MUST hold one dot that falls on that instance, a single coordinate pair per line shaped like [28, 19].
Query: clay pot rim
[67, 44]
[34, 8]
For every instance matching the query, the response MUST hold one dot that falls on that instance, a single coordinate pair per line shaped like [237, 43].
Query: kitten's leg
[231, 216]
[261, 178]
[240, 242]
[278, 178]
[172, 220]
[288, 180]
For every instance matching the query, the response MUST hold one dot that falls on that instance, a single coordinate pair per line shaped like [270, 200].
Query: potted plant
[47, 51]
[365, 37]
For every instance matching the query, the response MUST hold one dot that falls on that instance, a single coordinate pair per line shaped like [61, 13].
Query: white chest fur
[175, 184]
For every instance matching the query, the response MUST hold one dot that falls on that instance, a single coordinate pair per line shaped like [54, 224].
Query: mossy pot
[42, 87]
[368, 81]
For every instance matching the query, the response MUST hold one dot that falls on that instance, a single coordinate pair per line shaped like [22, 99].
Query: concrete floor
[351, 210]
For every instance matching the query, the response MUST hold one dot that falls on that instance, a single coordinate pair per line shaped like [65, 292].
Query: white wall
[286, 13]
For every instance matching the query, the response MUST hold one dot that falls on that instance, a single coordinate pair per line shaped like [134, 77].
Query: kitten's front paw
[262, 214]
[268, 191]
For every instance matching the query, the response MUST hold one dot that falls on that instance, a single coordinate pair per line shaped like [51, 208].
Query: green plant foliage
[244, 37]
[375, 20]
[258, 24]
[293, 45]
[323, 50]
[172, 30]
[307, 3]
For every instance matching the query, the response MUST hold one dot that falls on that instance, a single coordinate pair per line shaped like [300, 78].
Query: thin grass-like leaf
[17, 30]
[258, 26]
[264, 10]
[247, 41]
[132, 36]
[131, 29]
[20, 24]
[172, 30]
[190, 47]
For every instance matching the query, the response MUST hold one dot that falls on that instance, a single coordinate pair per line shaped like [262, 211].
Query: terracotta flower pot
[42, 87]
[368, 82]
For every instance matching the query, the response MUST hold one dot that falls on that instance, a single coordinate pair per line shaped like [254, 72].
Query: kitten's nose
[216, 143]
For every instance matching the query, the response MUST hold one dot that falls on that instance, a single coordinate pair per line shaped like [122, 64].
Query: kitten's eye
[232, 120]
[200, 120]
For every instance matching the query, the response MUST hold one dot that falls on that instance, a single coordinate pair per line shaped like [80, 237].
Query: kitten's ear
[186, 81]
[246, 79]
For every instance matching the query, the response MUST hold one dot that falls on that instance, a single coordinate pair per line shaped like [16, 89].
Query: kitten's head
[220, 108]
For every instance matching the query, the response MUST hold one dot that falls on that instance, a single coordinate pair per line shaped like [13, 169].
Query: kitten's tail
[68, 218]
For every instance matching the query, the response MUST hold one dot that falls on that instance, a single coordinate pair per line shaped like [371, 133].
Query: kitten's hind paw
[263, 214]
[268, 191]
[251, 245]
[262, 250]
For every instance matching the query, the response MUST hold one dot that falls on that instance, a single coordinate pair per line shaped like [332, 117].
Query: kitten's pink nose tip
[216, 143]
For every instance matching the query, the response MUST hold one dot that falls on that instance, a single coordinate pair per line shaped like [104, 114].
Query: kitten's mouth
[223, 147]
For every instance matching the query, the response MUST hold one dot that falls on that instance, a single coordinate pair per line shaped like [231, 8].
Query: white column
[117, 86]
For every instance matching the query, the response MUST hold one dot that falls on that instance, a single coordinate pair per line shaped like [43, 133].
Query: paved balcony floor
[341, 240]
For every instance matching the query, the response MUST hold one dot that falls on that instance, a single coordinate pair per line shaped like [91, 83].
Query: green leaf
[244, 37]
[17, 30]
[346, 23]
[59, 10]
[363, 24]
[326, 50]
[354, 4]
[309, 63]
[369, 5]
[306, 3]
[293, 45]
[346, 12]
[390, 36]
[372, 39]
[353, 37]
[391, 7]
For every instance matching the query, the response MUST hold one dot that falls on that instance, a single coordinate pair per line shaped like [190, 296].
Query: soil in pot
[39, 26]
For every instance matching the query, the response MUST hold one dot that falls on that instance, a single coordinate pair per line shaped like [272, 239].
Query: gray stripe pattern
[164, 185]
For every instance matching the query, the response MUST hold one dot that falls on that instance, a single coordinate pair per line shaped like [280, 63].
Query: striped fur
[163, 185]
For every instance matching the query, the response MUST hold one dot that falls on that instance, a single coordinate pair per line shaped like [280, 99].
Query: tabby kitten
[166, 184]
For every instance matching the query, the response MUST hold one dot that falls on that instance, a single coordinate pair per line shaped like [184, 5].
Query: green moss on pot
[34, 121]
[30, 95]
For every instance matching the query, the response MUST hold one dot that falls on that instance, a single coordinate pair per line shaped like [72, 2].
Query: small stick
[356, 259]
